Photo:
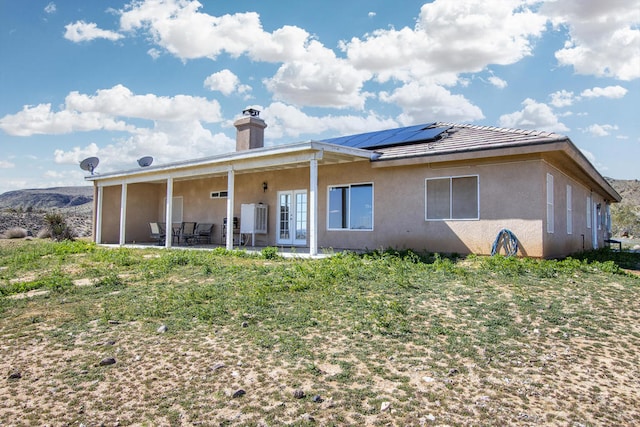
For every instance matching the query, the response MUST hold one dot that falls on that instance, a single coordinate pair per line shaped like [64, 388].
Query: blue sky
[121, 80]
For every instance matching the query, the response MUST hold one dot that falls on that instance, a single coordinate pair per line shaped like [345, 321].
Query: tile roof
[463, 137]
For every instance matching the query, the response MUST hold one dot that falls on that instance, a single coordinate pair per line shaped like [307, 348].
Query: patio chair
[204, 231]
[188, 232]
[157, 232]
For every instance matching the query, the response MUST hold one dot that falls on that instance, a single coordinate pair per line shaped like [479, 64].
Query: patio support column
[98, 230]
[313, 207]
[123, 213]
[168, 239]
[230, 201]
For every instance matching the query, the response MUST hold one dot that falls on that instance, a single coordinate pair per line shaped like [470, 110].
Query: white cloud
[534, 115]
[225, 82]
[82, 31]
[451, 37]
[319, 79]
[159, 142]
[6, 165]
[50, 8]
[606, 92]
[288, 120]
[154, 53]
[601, 130]
[108, 109]
[563, 98]
[604, 36]
[498, 82]
[422, 103]
[371, 14]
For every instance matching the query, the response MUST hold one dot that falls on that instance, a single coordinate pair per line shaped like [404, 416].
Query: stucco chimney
[250, 132]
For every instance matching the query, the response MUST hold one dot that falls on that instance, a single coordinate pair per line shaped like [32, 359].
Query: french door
[292, 219]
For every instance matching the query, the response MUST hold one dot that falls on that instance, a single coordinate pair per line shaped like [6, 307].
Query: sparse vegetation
[456, 341]
[57, 226]
[15, 233]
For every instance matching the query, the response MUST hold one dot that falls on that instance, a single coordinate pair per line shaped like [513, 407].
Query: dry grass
[475, 342]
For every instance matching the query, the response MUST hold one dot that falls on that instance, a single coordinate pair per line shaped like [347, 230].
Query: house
[437, 187]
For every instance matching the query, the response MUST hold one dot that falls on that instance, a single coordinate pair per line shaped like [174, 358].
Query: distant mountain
[47, 198]
[629, 189]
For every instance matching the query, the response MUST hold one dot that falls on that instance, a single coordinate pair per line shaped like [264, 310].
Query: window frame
[451, 178]
[550, 205]
[569, 209]
[349, 209]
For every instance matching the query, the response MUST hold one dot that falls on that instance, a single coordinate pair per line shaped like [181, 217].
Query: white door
[292, 219]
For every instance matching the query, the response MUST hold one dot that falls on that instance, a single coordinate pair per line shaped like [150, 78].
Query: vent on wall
[218, 194]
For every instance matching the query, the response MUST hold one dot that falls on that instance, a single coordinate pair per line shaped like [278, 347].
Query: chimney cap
[251, 112]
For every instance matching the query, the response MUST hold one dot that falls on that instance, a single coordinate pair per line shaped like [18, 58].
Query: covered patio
[283, 179]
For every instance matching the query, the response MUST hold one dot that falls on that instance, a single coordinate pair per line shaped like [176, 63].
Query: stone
[162, 329]
[15, 375]
[385, 406]
[453, 372]
[308, 418]
[317, 399]
[245, 324]
[238, 393]
[428, 379]
[217, 366]
[299, 394]
[107, 361]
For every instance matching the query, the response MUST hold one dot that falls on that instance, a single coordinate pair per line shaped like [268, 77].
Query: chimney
[250, 132]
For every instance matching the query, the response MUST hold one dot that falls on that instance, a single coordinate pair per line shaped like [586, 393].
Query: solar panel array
[385, 138]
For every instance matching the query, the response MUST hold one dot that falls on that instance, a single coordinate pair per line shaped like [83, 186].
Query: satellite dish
[145, 161]
[89, 164]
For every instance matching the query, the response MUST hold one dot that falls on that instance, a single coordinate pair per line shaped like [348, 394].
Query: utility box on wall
[253, 220]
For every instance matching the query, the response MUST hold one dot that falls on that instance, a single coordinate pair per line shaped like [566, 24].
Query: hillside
[27, 208]
[47, 198]
[629, 189]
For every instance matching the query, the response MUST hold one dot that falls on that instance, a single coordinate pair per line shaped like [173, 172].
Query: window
[218, 194]
[569, 211]
[550, 219]
[452, 198]
[589, 211]
[351, 207]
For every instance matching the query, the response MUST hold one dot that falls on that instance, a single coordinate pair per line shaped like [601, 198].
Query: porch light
[264, 186]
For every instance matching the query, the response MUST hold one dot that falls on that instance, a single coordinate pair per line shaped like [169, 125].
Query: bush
[58, 227]
[16, 233]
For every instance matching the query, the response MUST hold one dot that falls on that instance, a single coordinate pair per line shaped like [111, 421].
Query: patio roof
[255, 160]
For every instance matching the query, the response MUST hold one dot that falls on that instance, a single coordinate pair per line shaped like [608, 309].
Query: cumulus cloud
[498, 82]
[606, 92]
[450, 38]
[159, 142]
[534, 115]
[86, 31]
[6, 165]
[50, 8]
[604, 36]
[319, 79]
[226, 82]
[423, 102]
[601, 130]
[563, 98]
[289, 121]
[109, 110]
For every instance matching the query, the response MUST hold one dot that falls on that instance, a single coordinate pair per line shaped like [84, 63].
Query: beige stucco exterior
[512, 195]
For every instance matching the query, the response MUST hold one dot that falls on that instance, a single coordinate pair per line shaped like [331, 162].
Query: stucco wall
[511, 195]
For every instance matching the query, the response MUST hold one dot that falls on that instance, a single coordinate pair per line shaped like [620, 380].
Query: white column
[123, 213]
[313, 207]
[98, 230]
[168, 240]
[230, 194]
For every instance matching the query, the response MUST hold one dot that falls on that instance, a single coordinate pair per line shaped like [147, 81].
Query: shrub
[270, 252]
[58, 227]
[16, 233]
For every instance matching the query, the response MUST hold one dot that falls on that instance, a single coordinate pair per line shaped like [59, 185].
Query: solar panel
[383, 138]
